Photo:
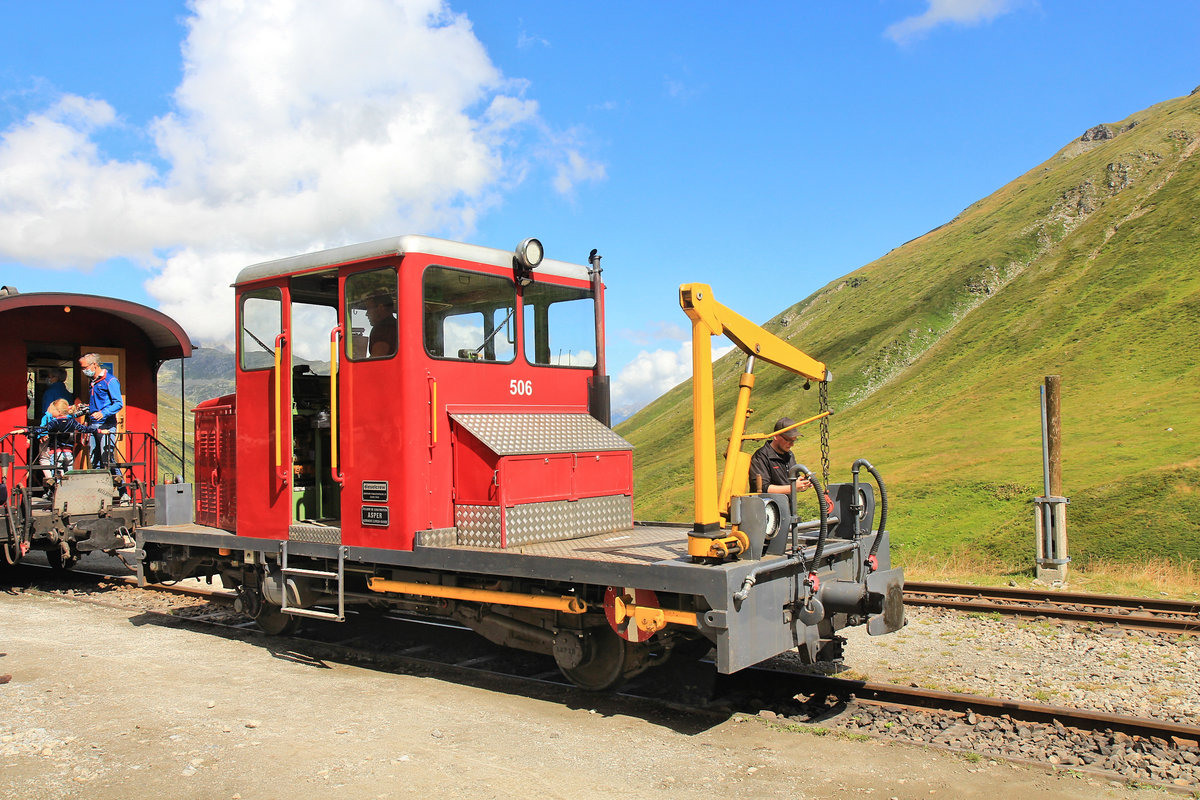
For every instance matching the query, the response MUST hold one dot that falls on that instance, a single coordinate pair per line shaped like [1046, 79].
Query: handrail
[334, 438]
[433, 409]
[140, 455]
[280, 341]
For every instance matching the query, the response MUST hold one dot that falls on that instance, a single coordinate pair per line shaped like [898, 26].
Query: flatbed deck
[650, 557]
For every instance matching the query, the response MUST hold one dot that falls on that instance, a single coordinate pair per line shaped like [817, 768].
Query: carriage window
[371, 314]
[560, 326]
[469, 316]
[262, 321]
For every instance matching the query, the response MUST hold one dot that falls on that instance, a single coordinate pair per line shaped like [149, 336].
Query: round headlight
[529, 253]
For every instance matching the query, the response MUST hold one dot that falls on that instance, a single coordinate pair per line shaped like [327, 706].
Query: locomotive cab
[357, 373]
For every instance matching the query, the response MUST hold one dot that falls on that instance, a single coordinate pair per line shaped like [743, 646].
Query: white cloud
[575, 169]
[526, 40]
[652, 373]
[960, 12]
[296, 126]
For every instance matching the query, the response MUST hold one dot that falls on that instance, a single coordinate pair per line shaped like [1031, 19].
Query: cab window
[371, 314]
[469, 316]
[262, 322]
[560, 325]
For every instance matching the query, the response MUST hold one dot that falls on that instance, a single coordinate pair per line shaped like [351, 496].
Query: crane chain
[823, 394]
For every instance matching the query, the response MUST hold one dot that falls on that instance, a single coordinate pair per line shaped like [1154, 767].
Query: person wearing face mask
[104, 404]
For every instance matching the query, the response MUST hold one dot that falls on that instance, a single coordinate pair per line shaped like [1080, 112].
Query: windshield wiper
[495, 330]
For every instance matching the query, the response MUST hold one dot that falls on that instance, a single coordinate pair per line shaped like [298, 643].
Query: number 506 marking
[521, 388]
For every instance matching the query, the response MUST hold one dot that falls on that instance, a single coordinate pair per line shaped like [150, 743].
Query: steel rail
[1053, 596]
[1042, 713]
[129, 580]
[1027, 603]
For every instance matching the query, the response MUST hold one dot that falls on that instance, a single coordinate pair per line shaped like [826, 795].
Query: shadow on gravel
[679, 703]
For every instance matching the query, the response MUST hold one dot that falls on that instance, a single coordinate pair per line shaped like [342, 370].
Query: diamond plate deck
[322, 534]
[525, 434]
[637, 545]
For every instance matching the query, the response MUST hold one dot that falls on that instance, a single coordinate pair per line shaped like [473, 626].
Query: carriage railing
[134, 454]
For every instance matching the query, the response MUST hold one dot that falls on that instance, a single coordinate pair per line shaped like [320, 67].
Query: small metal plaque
[376, 516]
[374, 491]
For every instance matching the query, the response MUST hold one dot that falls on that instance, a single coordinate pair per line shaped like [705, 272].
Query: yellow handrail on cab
[280, 340]
[334, 335]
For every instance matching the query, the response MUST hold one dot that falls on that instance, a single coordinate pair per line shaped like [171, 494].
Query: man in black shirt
[380, 313]
[771, 463]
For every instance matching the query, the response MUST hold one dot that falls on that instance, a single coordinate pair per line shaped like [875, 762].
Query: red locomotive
[423, 424]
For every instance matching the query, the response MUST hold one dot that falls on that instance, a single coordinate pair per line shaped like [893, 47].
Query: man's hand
[97, 415]
[803, 484]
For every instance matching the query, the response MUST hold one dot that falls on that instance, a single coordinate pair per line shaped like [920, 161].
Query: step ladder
[340, 576]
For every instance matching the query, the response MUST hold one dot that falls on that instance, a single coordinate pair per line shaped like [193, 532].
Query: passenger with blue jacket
[104, 404]
[57, 431]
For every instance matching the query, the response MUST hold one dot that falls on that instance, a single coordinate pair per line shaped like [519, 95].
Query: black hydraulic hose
[797, 551]
[800, 469]
[862, 462]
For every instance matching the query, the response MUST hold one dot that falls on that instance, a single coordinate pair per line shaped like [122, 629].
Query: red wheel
[615, 599]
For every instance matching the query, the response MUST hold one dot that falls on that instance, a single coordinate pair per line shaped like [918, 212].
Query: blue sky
[148, 150]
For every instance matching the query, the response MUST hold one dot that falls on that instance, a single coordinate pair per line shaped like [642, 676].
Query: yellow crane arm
[698, 303]
[711, 318]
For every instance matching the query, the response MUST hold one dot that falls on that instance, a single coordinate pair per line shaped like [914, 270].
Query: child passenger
[58, 443]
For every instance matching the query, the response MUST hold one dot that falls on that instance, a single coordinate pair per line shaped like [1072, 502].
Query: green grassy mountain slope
[1087, 266]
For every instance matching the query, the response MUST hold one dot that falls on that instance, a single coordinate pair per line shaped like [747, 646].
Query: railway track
[1151, 614]
[1066, 737]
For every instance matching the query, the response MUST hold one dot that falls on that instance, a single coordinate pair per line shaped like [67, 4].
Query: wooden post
[1054, 431]
[1052, 508]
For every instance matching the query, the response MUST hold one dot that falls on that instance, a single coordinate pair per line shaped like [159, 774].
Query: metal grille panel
[321, 534]
[531, 523]
[478, 526]
[527, 434]
[436, 537]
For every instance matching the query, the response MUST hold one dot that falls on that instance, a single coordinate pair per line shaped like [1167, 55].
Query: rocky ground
[1105, 669]
[107, 703]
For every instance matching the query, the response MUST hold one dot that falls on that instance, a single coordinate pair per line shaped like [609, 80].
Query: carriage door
[316, 497]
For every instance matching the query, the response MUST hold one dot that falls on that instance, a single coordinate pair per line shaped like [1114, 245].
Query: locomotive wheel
[10, 554]
[606, 659]
[54, 556]
[17, 519]
[274, 622]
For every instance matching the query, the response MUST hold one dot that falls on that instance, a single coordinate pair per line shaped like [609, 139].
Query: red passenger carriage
[47, 332]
